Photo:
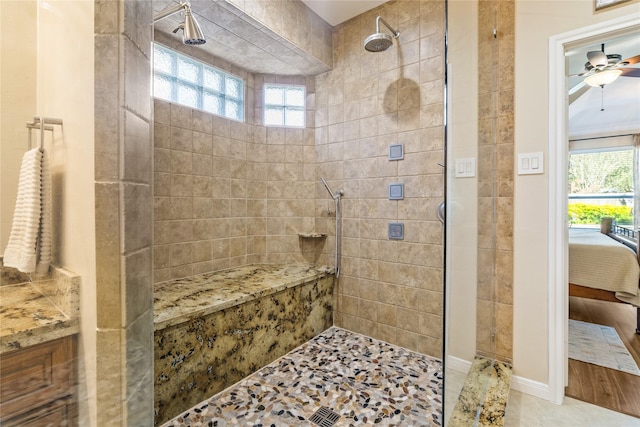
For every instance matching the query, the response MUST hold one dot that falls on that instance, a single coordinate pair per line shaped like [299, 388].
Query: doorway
[558, 166]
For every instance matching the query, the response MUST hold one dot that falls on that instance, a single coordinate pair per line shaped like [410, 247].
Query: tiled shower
[263, 187]
[230, 193]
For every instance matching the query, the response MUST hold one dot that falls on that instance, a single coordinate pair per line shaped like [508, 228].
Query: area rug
[599, 345]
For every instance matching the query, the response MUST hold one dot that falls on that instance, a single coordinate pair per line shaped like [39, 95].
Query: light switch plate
[465, 168]
[530, 163]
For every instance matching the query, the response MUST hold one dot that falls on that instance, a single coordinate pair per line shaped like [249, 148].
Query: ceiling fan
[602, 69]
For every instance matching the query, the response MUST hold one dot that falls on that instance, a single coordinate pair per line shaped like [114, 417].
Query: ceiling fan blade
[597, 58]
[632, 60]
[630, 72]
[584, 73]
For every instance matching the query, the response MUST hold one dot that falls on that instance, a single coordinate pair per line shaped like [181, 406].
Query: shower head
[379, 42]
[191, 32]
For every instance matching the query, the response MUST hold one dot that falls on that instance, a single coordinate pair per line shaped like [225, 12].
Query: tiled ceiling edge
[305, 39]
[263, 38]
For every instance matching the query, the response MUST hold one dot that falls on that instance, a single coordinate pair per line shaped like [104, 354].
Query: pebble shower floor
[363, 380]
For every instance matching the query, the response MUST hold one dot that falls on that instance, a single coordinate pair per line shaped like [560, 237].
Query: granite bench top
[28, 317]
[177, 301]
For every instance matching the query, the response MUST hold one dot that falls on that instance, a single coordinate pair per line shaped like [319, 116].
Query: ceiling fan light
[602, 78]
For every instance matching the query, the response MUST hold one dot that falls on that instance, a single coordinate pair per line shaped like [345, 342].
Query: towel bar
[43, 124]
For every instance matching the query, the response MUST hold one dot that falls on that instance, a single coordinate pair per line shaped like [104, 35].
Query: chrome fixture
[441, 213]
[191, 32]
[379, 42]
[42, 124]
[333, 196]
[337, 197]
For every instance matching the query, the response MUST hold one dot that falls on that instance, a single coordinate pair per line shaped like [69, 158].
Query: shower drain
[324, 417]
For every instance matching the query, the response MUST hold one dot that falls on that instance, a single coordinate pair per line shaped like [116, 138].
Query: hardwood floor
[605, 387]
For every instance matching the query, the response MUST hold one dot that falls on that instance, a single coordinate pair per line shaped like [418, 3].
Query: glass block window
[180, 79]
[284, 105]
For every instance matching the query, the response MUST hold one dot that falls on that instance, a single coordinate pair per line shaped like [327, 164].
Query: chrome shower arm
[395, 33]
[191, 33]
[185, 5]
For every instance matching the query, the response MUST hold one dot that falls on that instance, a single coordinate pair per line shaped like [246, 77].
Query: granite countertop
[28, 317]
[176, 301]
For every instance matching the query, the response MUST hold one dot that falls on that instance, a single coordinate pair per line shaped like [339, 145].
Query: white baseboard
[458, 365]
[524, 385]
[534, 388]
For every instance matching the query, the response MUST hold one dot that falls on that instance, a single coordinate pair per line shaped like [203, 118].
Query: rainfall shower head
[379, 42]
[191, 32]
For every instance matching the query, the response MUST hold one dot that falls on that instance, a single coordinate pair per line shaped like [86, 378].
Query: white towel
[44, 238]
[29, 247]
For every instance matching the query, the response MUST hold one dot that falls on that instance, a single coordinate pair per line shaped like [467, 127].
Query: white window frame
[199, 87]
[284, 105]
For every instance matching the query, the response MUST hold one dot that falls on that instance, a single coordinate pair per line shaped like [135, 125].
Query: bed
[602, 267]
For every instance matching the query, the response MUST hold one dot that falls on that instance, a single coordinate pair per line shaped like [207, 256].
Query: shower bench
[212, 330]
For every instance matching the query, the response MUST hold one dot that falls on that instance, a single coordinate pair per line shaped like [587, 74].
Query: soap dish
[312, 235]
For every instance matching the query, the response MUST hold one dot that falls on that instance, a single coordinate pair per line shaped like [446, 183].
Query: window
[601, 184]
[178, 78]
[284, 105]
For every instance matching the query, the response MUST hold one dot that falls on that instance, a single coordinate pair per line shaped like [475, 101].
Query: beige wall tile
[407, 339]
[109, 353]
[387, 314]
[138, 286]
[430, 345]
[108, 255]
[495, 179]
[408, 320]
[136, 90]
[504, 331]
[139, 366]
[381, 94]
[137, 149]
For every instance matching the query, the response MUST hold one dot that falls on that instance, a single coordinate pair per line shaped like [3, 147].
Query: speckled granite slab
[28, 317]
[176, 301]
[483, 399]
[232, 332]
[38, 311]
[365, 381]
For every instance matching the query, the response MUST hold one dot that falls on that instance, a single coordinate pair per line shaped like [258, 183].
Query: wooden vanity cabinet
[37, 385]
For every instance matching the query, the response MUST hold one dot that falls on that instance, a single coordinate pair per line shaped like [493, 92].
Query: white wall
[65, 80]
[536, 21]
[46, 69]
[17, 101]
